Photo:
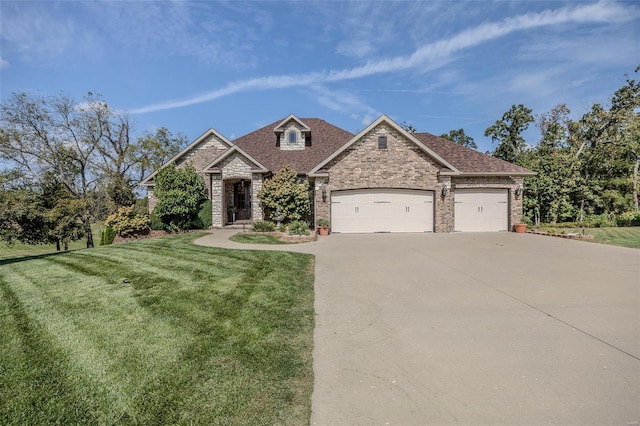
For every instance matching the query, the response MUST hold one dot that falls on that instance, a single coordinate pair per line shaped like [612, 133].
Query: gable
[199, 153]
[384, 122]
[366, 163]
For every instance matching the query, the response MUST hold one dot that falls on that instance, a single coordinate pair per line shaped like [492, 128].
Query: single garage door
[481, 210]
[381, 210]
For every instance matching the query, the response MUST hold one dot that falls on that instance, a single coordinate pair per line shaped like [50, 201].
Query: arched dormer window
[293, 138]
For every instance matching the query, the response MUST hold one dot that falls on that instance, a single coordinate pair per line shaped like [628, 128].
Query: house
[383, 179]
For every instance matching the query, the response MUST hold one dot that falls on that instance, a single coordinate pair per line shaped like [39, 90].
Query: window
[382, 142]
[292, 137]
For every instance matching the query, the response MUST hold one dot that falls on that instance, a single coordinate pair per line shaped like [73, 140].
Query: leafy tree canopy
[508, 133]
[461, 138]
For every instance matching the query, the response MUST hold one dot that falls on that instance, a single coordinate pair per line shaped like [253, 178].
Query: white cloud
[3, 63]
[341, 101]
[428, 57]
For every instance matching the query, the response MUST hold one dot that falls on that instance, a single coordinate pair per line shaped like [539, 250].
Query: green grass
[622, 236]
[256, 239]
[157, 331]
[20, 250]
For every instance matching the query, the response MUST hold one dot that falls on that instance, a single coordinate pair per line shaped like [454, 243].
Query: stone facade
[301, 138]
[364, 165]
[367, 163]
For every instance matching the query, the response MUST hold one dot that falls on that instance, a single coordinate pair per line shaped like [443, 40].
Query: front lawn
[256, 239]
[156, 331]
[622, 236]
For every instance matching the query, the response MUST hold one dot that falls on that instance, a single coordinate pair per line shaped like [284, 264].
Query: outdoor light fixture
[444, 191]
[518, 190]
[324, 193]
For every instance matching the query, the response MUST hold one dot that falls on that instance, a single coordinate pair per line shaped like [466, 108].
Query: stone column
[256, 206]
[217, 202]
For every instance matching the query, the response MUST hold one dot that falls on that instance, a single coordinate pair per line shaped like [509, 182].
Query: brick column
[256, 206]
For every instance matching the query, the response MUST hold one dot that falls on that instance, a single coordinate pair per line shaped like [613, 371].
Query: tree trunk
[89, 237]
[57, 245]
[66, 245]
[636, 167]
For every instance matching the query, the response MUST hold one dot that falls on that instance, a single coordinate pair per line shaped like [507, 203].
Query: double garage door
[481, 210]
[381, 210]
[402, 210]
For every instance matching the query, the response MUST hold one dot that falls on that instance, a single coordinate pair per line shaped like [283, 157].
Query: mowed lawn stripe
[197, 335]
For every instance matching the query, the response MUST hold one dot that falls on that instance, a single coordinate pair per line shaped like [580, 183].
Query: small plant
[204, 215]
[298, 227]
[126, 223]
[107, 236]
[324, 223]
[263, 226]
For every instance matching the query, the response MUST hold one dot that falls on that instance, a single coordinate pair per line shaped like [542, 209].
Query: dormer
[292, 134]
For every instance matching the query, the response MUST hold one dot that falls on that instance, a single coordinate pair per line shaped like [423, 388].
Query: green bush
[180, 193]
[263, 226]
[107, 236]
[126, 223]
[628, 219]
[204, 215]
[298, 227]
[599, 221]
[141, 206]
[156, 223]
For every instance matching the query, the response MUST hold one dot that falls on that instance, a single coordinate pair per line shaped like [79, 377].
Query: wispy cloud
[428, 57]
[344, 102]
[3, 64]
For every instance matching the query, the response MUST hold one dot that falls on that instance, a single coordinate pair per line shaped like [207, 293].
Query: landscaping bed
[274, 237]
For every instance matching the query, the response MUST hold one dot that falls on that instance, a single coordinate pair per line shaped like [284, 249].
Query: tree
[155, 149]
[180, 193]
[461, 138]
[286, 194]
[86, 147]
[508, 133]
[408, 127]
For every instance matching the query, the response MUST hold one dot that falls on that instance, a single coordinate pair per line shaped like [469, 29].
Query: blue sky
[237, 66]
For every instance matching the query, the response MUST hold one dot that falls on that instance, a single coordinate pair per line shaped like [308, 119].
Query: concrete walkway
[498, 328]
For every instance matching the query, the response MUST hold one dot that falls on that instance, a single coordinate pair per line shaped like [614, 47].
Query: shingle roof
[262, 145]
[468, 160]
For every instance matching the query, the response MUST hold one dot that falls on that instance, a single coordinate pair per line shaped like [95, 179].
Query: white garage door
[481, 210]
[381, 210]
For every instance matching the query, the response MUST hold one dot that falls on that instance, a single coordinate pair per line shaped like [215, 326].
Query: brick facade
[364, 164]
[403, 165]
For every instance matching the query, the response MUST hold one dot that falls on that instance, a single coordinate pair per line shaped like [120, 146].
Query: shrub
[107, 236]
[126, 223]
[204, 215]
[298, 227]
[141, 206]
[156, 223]
[628, 219]
[180, 193]
[287, 194]
[263, 226]
[599, 221]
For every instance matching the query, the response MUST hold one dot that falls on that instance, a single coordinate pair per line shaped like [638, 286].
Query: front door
[242, 199]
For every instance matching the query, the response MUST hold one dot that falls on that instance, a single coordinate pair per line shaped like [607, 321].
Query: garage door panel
[382, 210]
[481, 210]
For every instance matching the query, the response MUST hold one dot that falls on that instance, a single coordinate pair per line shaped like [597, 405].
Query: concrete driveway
[498, 328]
